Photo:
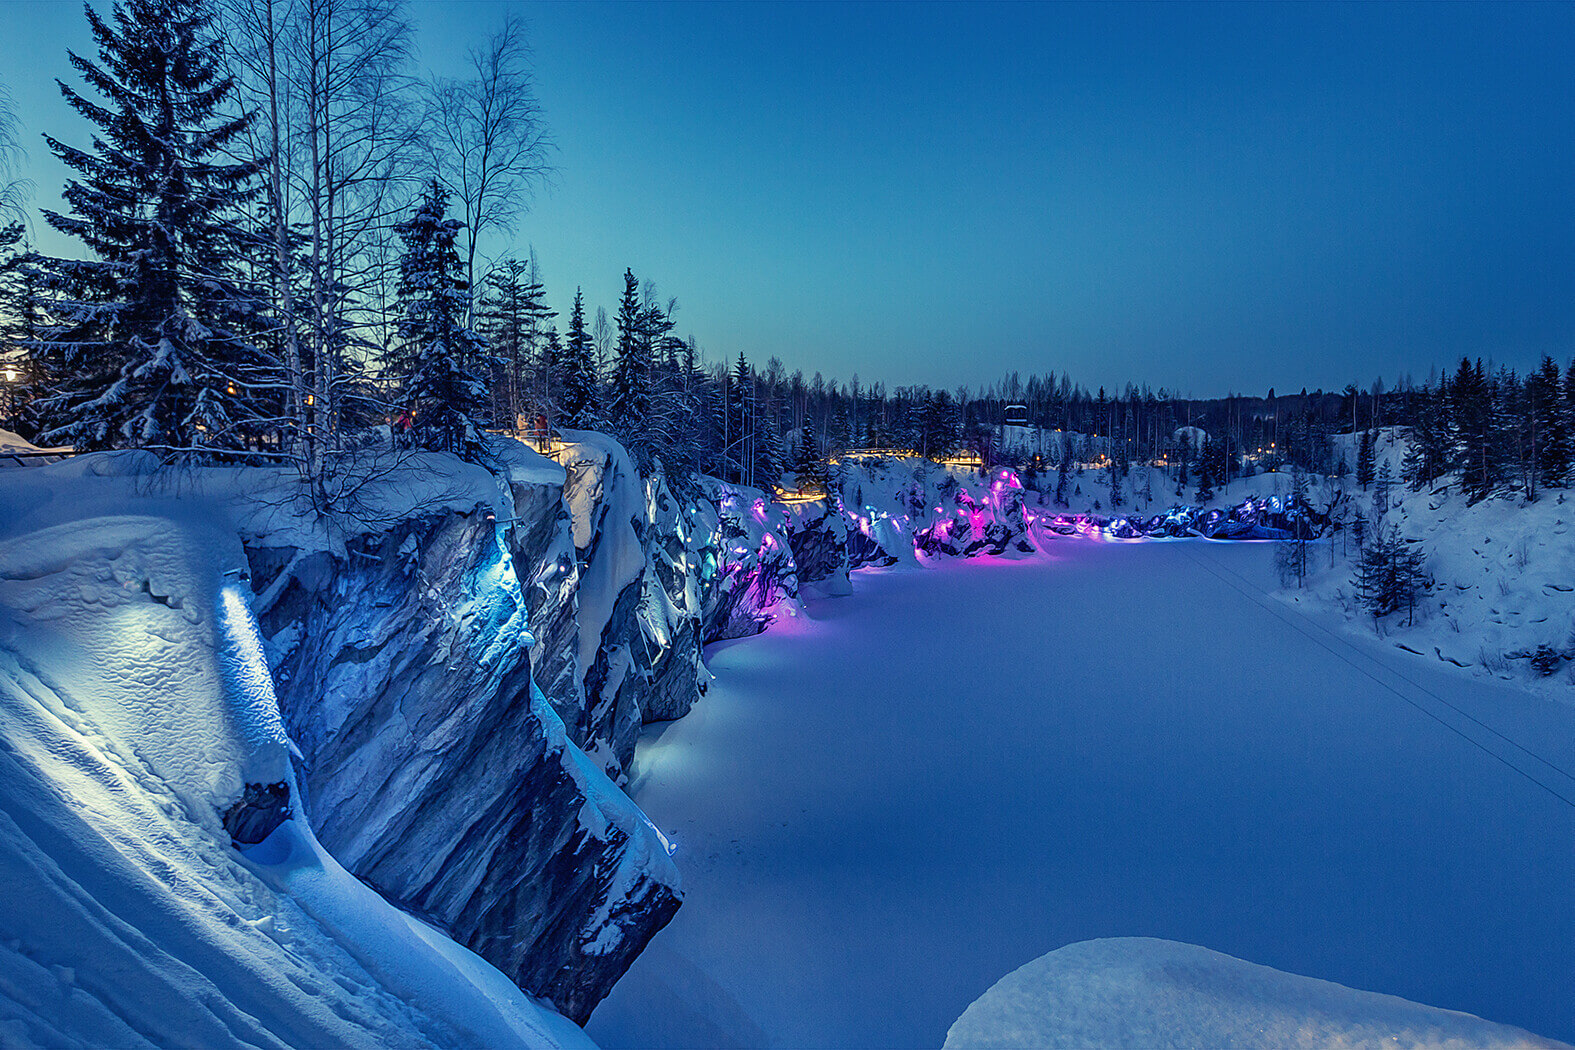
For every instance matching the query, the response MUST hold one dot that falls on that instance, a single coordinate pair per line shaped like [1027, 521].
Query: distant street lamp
[10, 376]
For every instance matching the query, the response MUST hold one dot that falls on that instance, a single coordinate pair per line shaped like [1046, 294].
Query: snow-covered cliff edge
[140, 733]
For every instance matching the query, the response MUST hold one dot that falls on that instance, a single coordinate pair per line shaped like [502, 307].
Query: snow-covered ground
[1138, 991]
[885, 806]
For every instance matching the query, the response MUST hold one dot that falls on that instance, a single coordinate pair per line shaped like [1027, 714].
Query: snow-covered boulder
[817, 532]
[136, 716]
[1142, 992]
[747, 569]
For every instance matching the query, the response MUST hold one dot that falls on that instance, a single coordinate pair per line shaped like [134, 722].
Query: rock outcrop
[434, 770]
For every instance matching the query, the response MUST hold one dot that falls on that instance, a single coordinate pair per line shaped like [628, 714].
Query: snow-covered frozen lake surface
[883, 808]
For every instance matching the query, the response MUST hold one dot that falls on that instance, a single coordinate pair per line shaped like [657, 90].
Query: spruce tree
[1429, 454]
[1390, 576]
[741, 420]
[1381, 486]
[807, 462]
[1550, 418]
[1471, 405]
[577, 396]
[447, 400]
[629, 395]
[150, 349]
[1205, 472]
[1364, 460]
[512, 312]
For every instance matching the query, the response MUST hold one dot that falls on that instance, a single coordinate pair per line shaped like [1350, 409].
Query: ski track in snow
[885, 806]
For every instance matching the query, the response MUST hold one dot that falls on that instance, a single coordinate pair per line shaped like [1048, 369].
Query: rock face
[818, 535]
[648, 562]
[747, 570]
[540, 539]
[435, 772]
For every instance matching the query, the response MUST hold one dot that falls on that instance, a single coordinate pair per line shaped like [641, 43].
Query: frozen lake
[882, 810]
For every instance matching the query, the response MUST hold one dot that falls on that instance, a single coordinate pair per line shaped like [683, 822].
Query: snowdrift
[1142, 992]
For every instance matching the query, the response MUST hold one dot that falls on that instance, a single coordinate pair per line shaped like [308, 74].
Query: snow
[15, 443]
[1142, 992]
[885, 805]
[371, 489]
[1504, 582]
[134, 706]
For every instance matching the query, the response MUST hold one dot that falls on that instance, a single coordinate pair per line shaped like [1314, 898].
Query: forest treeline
[279, 225]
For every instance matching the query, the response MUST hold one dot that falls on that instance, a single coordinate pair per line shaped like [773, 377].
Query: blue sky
[1207, 198]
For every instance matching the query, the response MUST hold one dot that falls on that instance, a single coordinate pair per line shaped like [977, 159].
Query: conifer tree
[1390, 576]
[577, 398]
[1063, 478]
[446, 399]
[1205, 471]
[839, 434]
[1428, 454]
[1381, 486]
[1471, 405]
[150, 349]
[1364, 460]
[938, 430]
[512, 312]
[1550, 419]
[629, 394]
[808, 464]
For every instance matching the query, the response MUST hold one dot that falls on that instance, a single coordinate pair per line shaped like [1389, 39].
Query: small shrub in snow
[1545, 660]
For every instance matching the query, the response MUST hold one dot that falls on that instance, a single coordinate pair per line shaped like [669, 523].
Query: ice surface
[881, 808]
[1142, 992]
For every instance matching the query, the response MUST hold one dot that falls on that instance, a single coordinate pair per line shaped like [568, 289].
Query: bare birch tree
[488, 138]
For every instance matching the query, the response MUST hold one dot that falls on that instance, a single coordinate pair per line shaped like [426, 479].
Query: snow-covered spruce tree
[629, 393]
[839, 432]
[1390, 576]
[1205, 473]
[437, 352]
[1550, 419]
[549, 372]
[739, 413]
[577, 394]
[1429, 452]
[511, 315]
[1364, 460]
[147, 346]
[808, 464]
[1471, 405]
[1381, 486]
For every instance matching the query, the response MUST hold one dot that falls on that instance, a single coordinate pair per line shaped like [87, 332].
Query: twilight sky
[1207, 198]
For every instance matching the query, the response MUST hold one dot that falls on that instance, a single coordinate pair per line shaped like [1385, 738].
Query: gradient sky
[1207, 198]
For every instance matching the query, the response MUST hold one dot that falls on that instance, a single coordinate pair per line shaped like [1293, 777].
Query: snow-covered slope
[398, 635]
[140, 732]
[1502, 600]
[1143, 992]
